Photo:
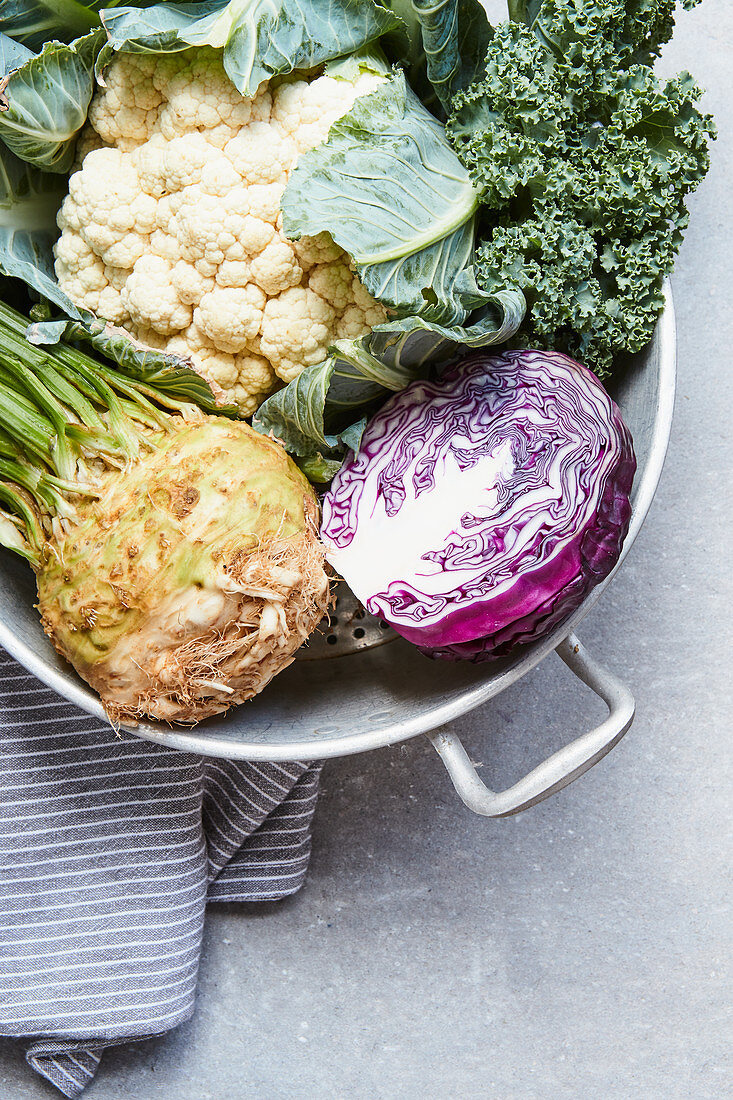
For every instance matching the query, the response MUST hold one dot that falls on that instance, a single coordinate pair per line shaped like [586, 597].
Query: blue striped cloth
[110, 848]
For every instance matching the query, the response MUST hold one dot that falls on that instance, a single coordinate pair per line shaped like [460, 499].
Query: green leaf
[44, 102]
[586, 161]
[165, 372]
[29, 200]
[390, 190]
[260, 38]
[36, 21]
[350, 378]
[455, 36]
[12, 53]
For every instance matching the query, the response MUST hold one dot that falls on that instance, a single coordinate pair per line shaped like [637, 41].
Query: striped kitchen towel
[110, 848]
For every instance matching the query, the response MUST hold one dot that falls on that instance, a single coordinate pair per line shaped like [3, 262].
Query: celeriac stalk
[175, 553]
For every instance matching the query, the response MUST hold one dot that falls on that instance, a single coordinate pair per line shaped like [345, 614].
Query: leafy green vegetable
[260, 38]
[599, 35]
[583, 161]
[391, 191]
[455, 37]
[12, 53]
[445, 47]
[44, 102]
[36, 21]
[29, 200]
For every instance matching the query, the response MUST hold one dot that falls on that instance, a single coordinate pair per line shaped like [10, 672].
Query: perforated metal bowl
[350, 691]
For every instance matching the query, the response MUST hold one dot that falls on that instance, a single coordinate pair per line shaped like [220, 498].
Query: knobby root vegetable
[176, 554]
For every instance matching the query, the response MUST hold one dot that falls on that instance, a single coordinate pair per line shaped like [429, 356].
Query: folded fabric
[110, 848]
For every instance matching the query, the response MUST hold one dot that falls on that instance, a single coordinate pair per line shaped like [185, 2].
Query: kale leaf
[583, 160]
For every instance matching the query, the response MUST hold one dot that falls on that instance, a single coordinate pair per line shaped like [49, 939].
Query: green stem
[64, 460]
[32, 480]
[119, 425]
[33, 433]
[28, 517]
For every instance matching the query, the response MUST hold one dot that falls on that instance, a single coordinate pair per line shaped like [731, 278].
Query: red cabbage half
[480, 510]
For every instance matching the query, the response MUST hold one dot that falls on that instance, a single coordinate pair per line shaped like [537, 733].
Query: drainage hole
[359, 632]
[332, 639]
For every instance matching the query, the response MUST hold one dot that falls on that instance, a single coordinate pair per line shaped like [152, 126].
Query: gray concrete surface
[577, 951]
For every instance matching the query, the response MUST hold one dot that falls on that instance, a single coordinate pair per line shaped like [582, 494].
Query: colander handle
[562, 767]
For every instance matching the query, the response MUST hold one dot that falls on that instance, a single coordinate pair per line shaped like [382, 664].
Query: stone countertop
[577, 950]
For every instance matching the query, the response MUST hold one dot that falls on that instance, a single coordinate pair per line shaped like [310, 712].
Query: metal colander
[320, 708]
[348, 628]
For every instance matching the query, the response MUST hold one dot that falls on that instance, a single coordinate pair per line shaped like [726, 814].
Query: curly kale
[583, 161]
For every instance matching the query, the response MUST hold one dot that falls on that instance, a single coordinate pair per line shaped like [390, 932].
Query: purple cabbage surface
[532, 455]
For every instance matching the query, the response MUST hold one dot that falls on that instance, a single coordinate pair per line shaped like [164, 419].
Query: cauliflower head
[172, 228]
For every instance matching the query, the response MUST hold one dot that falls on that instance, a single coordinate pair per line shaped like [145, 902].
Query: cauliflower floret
[111, 305]
[190, 285]
[276, 267]
[218, 177]
[231, 316]
[256, 380]
[184, 160]
[80, 269]
[116, 277]
[74, 255]
[296, 331]
[362, 315]
[125, 111]
[103, 203]
[233, 273]
[201, 96]
[334, 283]
[264, 202]
[172, 226]
[165, 245]
[149, 161]
[306, 110]
[373, 311]
[217, 228]
[246, 378]
[144, 210]
[149, 338]
[321, 249]
[351, 324]
[150, 297]
[258, 155]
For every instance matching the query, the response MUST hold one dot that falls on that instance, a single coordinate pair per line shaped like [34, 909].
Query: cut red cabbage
[481, 509]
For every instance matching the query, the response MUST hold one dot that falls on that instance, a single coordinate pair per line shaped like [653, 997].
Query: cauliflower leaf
[260, 38]
[36, 21]
[45, 99]
[29, 201]
[392, 193]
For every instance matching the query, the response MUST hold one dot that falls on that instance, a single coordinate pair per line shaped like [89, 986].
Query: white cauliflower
[172, 225]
